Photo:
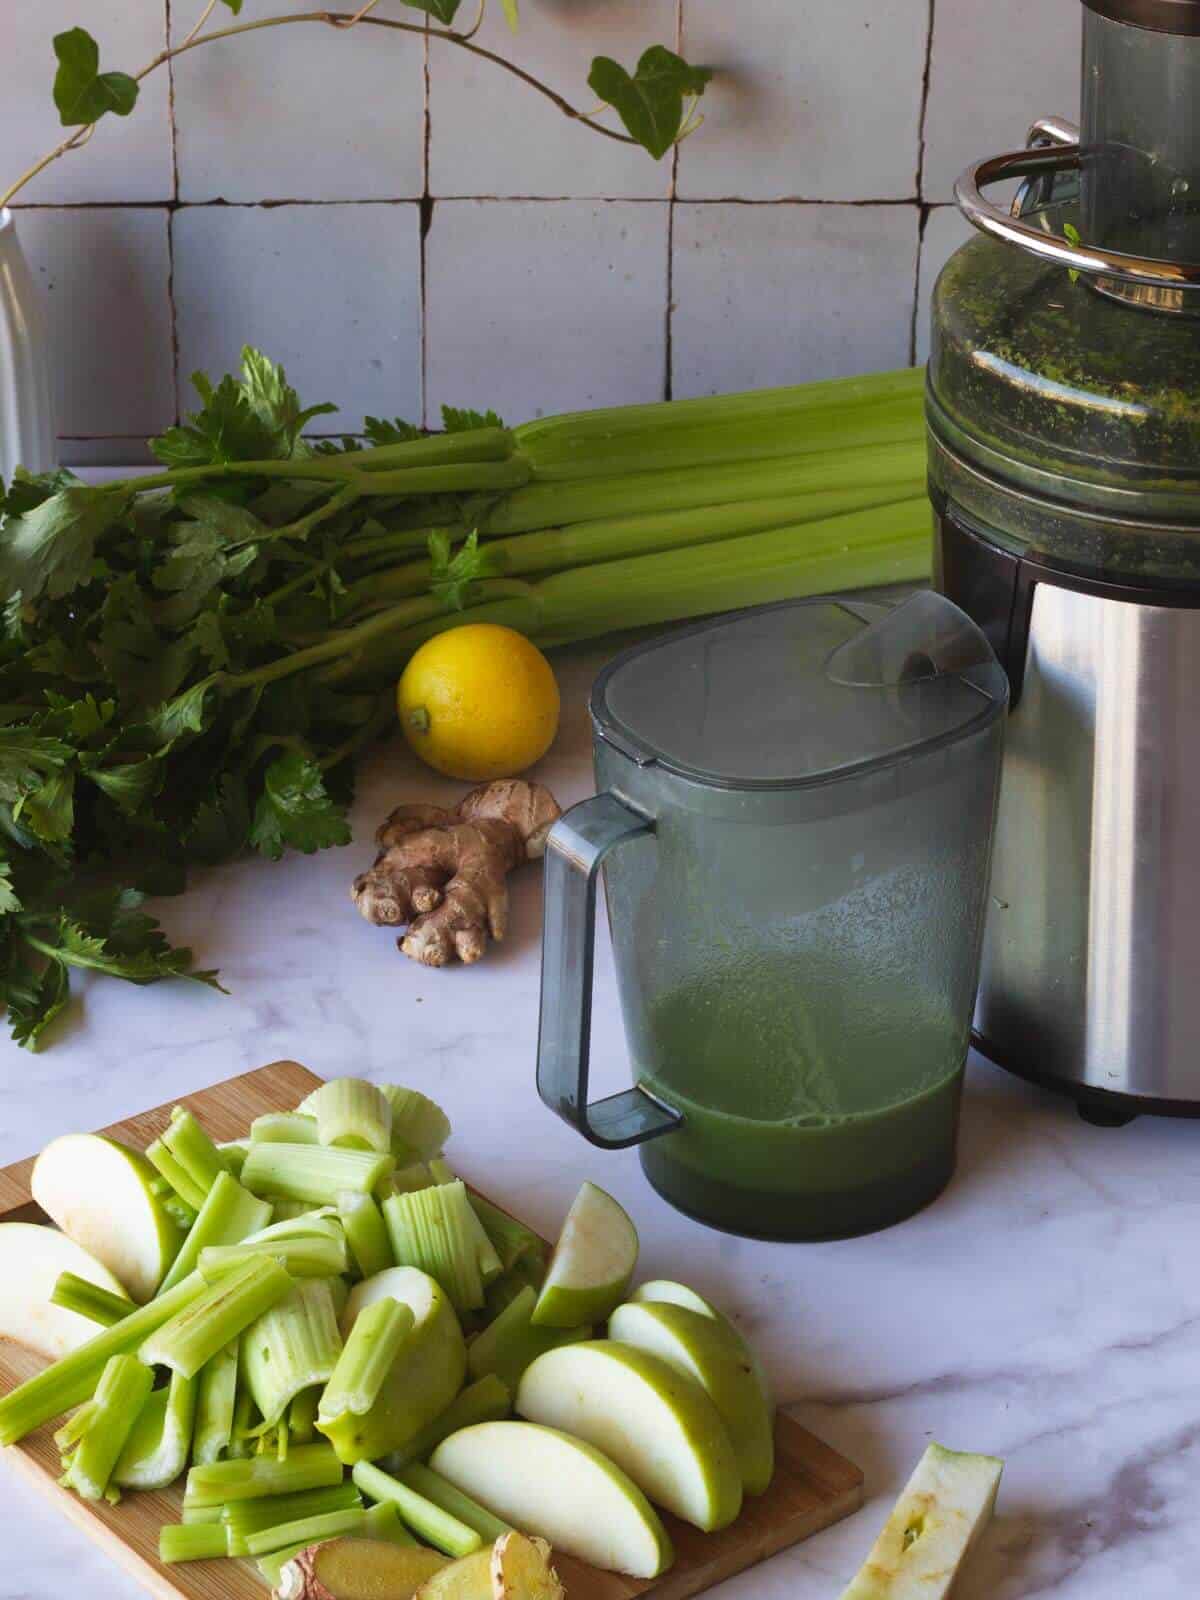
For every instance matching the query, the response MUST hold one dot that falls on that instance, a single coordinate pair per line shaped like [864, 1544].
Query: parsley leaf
[451, 577]
[456, 421]
[50, 548]
[274, 401]
[295, 810]
[34, 999]
[228, 428]
[82, 92]
[651, 102]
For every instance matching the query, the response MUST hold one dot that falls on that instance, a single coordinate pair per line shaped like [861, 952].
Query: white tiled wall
[404, 224]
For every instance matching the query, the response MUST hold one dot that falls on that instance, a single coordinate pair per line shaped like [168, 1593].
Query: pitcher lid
[801, 692]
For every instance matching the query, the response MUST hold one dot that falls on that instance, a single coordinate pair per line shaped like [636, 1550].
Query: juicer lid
[801, 692]
[1162, 16]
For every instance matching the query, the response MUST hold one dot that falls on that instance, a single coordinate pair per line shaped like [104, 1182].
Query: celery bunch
[192, 659]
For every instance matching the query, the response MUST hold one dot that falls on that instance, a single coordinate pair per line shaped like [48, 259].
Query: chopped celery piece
[215, 1400]
[510, 1343]
[442, 1493]
[174, 1173]
[352, 1114]
[382, 1521]
[157, 1449]
[366, 1233]
[437, 1527]
[302, 1413]
[511, 1239]
[436, 1230]
[311, 1530]
[376, 1339]
[123, 1390]
[74, 1377]
[178, 1210]
[294, 1345]
[207, 1324]
[308, 1466]
[441, 1171]
[488, 1400]
[193, 1149]
[244, 1518]
[304, 1255]
[284, 1127]
[529, 1271]
[412, 1177]
[233, 1153]
[312, 1172]
[340, 1290]
[490, 1265]
[197, 1514]
[191, 1541]
[419, 1127]
[242, 1434]
[89, 1300]
[290, 1210]
[228, 1214]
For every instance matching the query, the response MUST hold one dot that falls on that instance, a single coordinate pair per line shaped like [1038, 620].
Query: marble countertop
[1045, 1309]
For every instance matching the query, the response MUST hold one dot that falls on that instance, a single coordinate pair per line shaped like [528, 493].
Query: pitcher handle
[575, 849]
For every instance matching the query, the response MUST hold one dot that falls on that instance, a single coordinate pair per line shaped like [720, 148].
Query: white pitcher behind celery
[26, 409]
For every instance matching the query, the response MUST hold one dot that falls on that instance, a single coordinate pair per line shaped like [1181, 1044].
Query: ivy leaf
[650, 103]
[274, 401]
[443, 10]
[295, 810]
[451, 576]
[228, 428]
[456, 421]
[51, 547]
[82, 92]
[379, 431]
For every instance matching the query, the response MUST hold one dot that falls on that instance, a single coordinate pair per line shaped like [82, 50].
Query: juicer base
[1103, 1108]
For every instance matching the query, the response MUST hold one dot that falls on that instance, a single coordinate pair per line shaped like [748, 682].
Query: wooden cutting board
[813, 1485]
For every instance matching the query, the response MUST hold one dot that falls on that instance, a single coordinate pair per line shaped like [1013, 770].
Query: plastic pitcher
[794, 823]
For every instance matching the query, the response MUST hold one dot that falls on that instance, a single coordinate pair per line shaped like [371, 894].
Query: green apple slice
[101, 1194]
[936, 1523]
[423, 1380]
[702, 1348]
[31, 1258]
[592, 1263]
[548, 1484]
[665, 1290]
[657, 1425]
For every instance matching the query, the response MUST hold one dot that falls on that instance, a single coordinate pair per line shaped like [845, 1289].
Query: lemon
[478, 702]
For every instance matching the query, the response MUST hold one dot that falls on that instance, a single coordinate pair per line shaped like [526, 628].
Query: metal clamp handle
[575, 849]
[1092, 259]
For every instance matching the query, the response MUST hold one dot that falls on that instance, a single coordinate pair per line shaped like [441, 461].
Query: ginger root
[441, 874]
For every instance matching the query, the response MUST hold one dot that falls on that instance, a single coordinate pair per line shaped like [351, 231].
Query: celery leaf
[443, 10]
[379, 431]
[50, 548]
[295, 810]
[452, 577]
[275, 402]
[82, 92]
[227, 428]
[650, 102]
[455, 420]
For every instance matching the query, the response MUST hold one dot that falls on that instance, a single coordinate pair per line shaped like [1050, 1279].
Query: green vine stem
[343, 21]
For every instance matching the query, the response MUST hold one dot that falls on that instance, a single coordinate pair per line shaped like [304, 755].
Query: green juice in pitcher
[798, 1122]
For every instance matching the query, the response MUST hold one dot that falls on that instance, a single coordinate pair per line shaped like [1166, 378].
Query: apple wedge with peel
[936, 1523]
[701, 1348]
[560, 1489]
[102, 1195]
[658, 1425]
[32, 1257]
[592, 1264]
[665, 1290]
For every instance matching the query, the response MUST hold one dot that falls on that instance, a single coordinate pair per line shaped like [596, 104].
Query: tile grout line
[425, 223]
[672, 192]
[218, 204]
[172, 309]
[922, 203]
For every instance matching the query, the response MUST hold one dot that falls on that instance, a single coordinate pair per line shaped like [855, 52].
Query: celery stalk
[310, 1530]
[123, 1390]
[295, 1345]
[302, 1413]
[193, 1149]
[420, 1127]
[408, 1179]
[241, 1434]
[488, 1400]
[73, 1378]
[511, 1239]
[245, 1518]
[215, 1401]
[435, 1229]
[352, 1114]
[440, 1492]
[283, 1127]
[308, 1466]
[379, 1333]
[191, 1541]
[233, 1153]
[510, 1343]
[290, 1210]
[308, 1172]
[304, 1255]
[527, 1271]
[366, 1233]
[437, 1527]
[175, 1174]
[382, 1521]
[157, 1450]
[207, 1324]
[195, 1515]
[89, 1300]
[182, 1214]
[228, 1214]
